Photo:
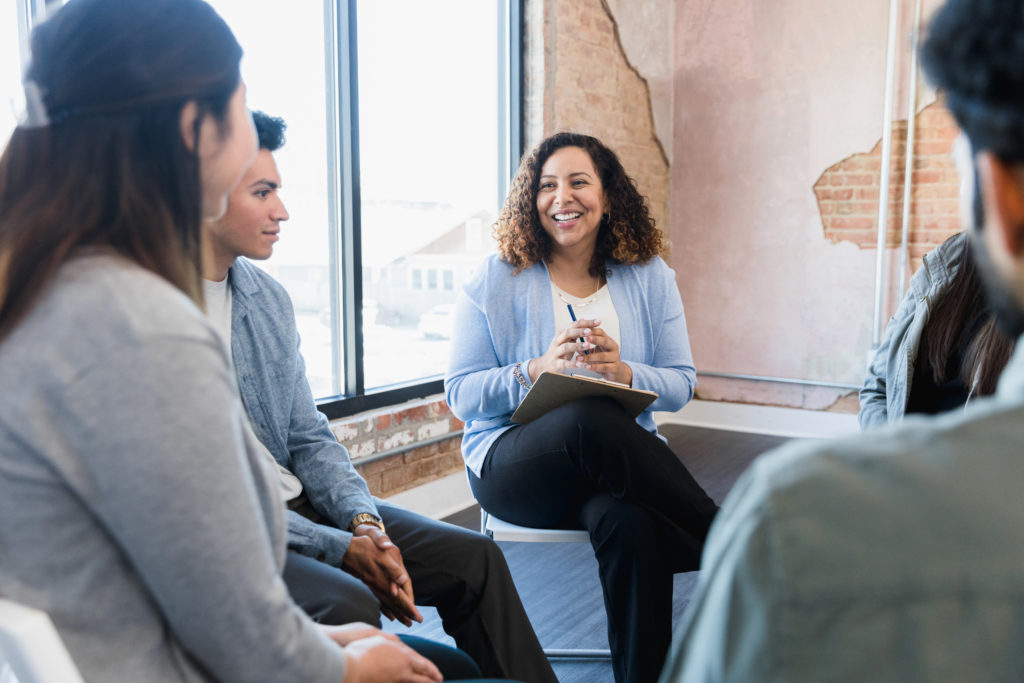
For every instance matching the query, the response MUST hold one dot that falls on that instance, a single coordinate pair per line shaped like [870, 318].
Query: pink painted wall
[767, 95]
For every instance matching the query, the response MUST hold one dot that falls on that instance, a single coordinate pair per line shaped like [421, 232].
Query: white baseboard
[439, 498]
[770, 420]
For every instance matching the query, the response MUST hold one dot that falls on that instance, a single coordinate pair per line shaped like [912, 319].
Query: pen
[586, 352]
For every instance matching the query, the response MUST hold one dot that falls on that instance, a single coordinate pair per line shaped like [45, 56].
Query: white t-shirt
[597, 306]
[218, 309]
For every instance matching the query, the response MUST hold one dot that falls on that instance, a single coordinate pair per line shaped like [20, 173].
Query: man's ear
[1002, 192]
[187, 123]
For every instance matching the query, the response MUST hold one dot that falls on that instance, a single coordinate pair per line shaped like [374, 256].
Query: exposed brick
[383, 421]
[395, 481]
[414, 414]
[345, 432]
[433, 429]
[421, 453]
[848, 192]
[379, 466]
[362, 449]
[395, 440]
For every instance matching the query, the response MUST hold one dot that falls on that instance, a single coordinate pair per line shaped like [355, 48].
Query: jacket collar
[243, 282]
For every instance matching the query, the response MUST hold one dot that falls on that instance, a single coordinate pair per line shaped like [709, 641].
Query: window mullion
[346, 266]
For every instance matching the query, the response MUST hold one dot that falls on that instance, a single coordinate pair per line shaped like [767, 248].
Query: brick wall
[387, 445]
[577, 77]
[848, 192]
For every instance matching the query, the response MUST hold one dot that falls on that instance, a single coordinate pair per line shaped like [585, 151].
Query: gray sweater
[134, 507]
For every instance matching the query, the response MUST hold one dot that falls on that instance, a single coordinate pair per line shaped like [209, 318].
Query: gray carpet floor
[558, 583]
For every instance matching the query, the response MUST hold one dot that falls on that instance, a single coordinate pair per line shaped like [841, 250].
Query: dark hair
[962, 322]
[628, 236]
[974, 53]
[270, 130]
[111, 167]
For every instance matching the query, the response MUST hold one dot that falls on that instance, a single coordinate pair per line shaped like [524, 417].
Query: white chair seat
[500, 530]
[32, 648]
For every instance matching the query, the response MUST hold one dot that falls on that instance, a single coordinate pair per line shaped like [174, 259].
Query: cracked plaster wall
[768, 96]
[580, 76]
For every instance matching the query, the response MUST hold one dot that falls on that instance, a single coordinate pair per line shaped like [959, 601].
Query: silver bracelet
[517, 372]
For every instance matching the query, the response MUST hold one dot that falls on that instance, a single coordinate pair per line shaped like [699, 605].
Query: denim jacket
[886, 389]
[272, 380]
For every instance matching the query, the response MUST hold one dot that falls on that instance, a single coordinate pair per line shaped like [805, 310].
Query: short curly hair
[627, 233]
[269, 130]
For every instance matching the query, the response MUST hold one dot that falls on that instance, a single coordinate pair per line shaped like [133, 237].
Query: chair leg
[581, 654]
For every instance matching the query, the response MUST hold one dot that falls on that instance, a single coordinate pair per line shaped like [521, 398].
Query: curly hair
[627, 233]
[269, 130]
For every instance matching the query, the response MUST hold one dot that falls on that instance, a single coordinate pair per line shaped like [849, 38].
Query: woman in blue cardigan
[575, 232]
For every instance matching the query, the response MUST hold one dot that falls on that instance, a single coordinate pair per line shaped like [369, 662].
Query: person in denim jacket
[351, 556]
[945, 322]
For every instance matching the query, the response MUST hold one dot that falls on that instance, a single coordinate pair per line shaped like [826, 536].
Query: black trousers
[459, 572]
[589, 465]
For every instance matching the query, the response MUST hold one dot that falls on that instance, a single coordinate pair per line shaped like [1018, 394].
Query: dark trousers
[459, 572]
[589, 465]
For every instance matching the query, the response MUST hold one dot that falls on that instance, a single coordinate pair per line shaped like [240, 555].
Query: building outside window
[397, 157]
[380, 85]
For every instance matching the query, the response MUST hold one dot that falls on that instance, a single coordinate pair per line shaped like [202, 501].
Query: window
[400, 146]
[10, 70]
[430, 87]
[393, 172]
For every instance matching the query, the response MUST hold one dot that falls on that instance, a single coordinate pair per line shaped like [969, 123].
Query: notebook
[553, 389]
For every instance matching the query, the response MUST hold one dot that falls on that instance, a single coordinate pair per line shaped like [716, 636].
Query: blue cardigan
[502, 319]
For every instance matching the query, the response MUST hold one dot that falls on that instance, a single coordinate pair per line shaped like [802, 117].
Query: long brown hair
[110, 167]
[951, 327]
[627, 233]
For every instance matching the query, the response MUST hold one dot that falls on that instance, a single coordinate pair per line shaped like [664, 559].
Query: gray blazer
[135, 508]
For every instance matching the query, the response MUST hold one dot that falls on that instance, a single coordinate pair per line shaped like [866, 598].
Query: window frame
[344, 211]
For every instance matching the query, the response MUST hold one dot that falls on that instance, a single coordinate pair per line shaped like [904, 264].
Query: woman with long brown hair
[135, 508]
[575, 238]
[942, 347]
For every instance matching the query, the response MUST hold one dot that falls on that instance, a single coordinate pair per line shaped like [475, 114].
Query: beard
[1008, 313]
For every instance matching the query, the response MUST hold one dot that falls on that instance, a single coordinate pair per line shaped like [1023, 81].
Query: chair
[500, 530]
[31, 648]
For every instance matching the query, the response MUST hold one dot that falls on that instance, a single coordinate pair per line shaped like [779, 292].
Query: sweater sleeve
[477, 386]
[671, 373]
[331, 482]
[874, 395]
[167, 474]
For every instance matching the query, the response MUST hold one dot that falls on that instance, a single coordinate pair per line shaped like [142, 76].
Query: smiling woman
[576, 235]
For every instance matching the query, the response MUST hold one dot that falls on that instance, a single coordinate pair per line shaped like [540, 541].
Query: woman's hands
[559, 354]
[372, 656]
[597, 352]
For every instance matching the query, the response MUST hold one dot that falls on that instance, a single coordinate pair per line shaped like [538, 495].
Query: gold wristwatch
[366, 518]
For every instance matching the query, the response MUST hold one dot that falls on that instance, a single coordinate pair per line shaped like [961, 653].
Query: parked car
[437, 322]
